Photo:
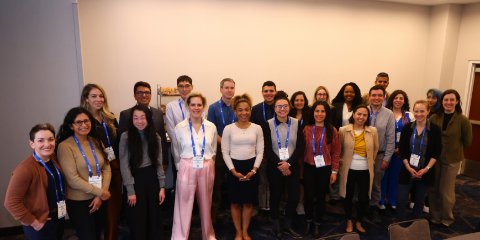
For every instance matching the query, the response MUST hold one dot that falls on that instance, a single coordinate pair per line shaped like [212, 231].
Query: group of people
[370, 151]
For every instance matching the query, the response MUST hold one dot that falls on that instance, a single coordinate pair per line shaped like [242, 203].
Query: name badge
[319, 161]
[283, 154]
[95, 181]
[398, 136]
[110, 153]
[62, 209]
[198, 162]
[414, 160]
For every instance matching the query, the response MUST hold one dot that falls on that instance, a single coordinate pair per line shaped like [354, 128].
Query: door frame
[469, 86]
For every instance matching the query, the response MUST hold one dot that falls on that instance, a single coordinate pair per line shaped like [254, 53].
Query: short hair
[383, 74]
[376, 87]
[184, 78]
[422, 101]
[199, 95]
[141, 84]
[226, 80]
[406, 104]
[41, 127]
[241, 98]
[269, 84]
[458, 108]
[326, 91]
[367, 122]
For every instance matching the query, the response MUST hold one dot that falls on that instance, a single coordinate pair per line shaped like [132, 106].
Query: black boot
[309, 227]
[316, 230]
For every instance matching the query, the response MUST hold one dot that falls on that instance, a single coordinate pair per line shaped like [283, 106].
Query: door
[472, 154]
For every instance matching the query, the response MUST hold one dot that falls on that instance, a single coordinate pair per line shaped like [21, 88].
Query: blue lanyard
[301, 122]
[278, 135]
[97, 165]
[414, 137]
[264, 112]
[181, 108]
[106, 132]
[314, 142]
[221, 112]
[53, 177]
[374, 119]
[193, 141]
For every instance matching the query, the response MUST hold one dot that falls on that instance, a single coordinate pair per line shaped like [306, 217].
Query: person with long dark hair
[456, 136]
[359, 148]
[433, 97]
[283, 147]
[87, 172]
[105, 125]
[36, 193]
[301, 109]
[321, 163]
[142, 174]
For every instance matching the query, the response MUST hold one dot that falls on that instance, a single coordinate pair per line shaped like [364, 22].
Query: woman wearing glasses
[196, 146]
[283, 147]
[105, 125]
[87, 173]
[36, 192]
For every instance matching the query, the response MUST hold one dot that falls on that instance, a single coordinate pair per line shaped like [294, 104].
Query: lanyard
[278, 135]
[264, 112]
[414, 137]
[53, 177]
[221, 112]
[399, 125]
[301, 122]
[374, 119]
[193, 141]
[320, 143]
[106, 132]
[86, 159]
[181, 108]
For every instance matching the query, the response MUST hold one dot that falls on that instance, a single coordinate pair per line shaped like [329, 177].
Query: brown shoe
[349, 227]
[359, 227]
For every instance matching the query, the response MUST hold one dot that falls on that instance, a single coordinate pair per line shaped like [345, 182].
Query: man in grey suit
[143, 94]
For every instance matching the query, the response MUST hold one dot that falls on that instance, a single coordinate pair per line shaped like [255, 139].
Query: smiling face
[432, 99]
[95, 99]
[299, 102]
[139, 119]
[268, 93]
[360, 116]
[43, 144]
[449, 102]
[184, 88]
[348, 93]
[228, 90]
[321, 94]
[420, 112]
[243, 112]
[196, 107]
[319, 114]
[398, 101]
[82, 125]
[143, 95]
[376, 98]
[382, 81]
[282, 108]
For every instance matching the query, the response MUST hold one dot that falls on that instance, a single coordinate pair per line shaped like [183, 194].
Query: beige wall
[297, 44]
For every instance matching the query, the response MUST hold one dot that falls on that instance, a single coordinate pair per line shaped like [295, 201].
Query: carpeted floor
[467, 213]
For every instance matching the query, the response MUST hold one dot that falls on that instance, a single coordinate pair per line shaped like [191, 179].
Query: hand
[238, 175]
[421, 172]
[333, 178]
[283, 166]
[248, 176]
[95, 204]
[287, 173]
[105, 195]
[132, 200]
[37, 225]
[412, 171]
[161, 195]
[384, 165]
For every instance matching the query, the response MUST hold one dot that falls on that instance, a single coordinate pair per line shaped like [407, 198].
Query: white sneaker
[382, 207]
[412, 205]
[426, 209]
[300, 209]
[394, 207]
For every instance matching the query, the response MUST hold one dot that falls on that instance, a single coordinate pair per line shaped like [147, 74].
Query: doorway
[472, 154]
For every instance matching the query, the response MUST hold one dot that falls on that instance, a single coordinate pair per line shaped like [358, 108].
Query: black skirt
[242, 192]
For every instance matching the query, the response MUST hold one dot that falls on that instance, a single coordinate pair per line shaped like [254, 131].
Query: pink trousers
[192, 181]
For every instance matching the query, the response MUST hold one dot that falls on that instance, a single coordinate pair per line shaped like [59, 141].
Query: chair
[417, 229]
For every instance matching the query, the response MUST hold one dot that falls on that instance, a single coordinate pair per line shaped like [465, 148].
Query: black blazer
[434, 149]
[159, 123]
[337, 114]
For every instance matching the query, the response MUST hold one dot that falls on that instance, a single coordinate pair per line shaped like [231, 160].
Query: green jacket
[455, 138]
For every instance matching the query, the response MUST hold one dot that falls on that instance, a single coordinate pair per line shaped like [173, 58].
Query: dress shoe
[292, 233]
[316, 231]
[349, 227]
[359, 227]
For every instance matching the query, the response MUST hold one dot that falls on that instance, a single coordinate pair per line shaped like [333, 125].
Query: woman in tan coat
[359, 148]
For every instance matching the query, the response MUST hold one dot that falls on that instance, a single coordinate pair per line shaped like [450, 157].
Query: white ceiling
[432, 2]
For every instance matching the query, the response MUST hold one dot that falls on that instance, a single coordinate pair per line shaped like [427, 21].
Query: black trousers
[359, 179]
[88, 226]
[145, 217]
[52, 230]
[316, 182]
[278, 184]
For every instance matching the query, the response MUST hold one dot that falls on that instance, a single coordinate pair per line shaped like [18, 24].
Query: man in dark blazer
[143, 94]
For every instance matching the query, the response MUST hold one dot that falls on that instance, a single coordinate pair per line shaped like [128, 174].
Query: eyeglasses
[321, 94]
[184, 86]
[281, 107]
[80, 122]
[142, 93]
